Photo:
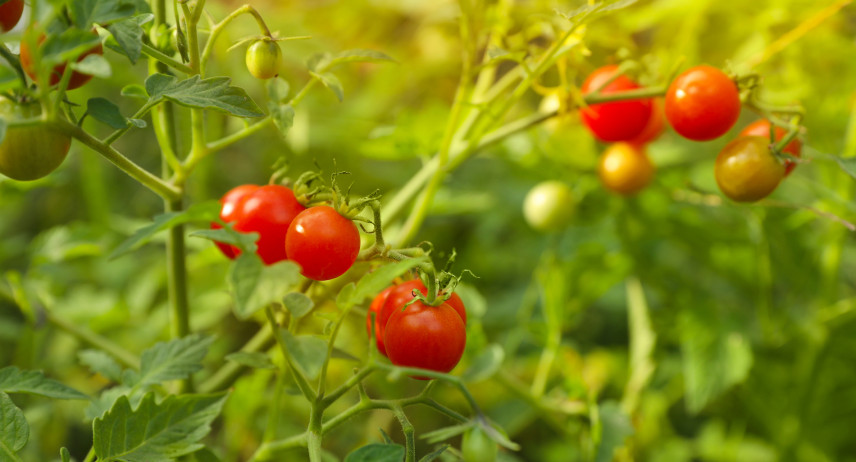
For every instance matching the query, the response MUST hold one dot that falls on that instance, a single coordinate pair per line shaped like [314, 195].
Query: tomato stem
[13, 61]
[152, 52]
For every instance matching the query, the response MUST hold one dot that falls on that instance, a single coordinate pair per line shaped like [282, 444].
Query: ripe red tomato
[10, 14]
[618, 121]
[77, 79]
[29, 153]
[376, 307]
[702, 103]
[428, 337]
[746, 170]
[228, 213]
[625, 168]
[762, 128]
[324, 243]
[656, 126]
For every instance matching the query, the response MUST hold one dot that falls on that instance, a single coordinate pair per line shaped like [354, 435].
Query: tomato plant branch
[156, 54]
[241, 134]
[355, 379]
[408, 430]
[91, 338]
[138, 115]
[220, 26]
[14, 62]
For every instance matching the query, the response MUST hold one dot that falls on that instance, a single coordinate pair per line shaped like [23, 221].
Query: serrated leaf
[14, 380]
[204, 212]
[105, 401]
[14, 430]
[87, 12]
[155, 432]
[255, 285]
[486, 364]
[95, 65]
[135, 91]
[212, 93]
[372, 283]
[106, 112]
[254, 359]
[377, 452]
[173, 360]
[129, 35]
[298, 304]
[100, 362]
[332, 83]
[433, 455]
[308, 351]
[615, 428]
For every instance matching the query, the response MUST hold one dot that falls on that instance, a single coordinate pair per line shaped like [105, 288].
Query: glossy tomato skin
[324, 243]
[10, 14]
[548, 206]
[428, 337]
[29, 153]
[374, 310]
[228, 213]
[625, 168]
[263, 59]
[762, 128]
[77, 79]
[702, 104]
[746, 170]
[268, 210]
[655, 127]
[616, 121]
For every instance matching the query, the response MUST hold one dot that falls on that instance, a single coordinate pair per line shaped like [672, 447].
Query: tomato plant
[10, 14]
[264, 58]
[625, 168]
[77, 79]
[424, 336]
[762, 128]
[702, 103]
[548, 206]
[614, 121]
[324, 243]
[29, 152]
[746, 170]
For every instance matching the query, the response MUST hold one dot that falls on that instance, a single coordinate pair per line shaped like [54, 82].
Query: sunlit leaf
[211, 93]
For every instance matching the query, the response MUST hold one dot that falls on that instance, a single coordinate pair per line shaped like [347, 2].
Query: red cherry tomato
[702, 103]
[762, 128]
[77, 79]
[324, 243]
[618, 121]
[10, 14]
[375, 307]
[428, 337]
[228, 212]
[656, 126]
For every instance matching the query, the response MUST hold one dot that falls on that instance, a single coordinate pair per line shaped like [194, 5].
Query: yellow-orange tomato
[746, 170]
[625, 168]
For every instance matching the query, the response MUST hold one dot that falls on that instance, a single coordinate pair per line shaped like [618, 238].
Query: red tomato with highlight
[324, 243]
[228, 212]
[427, 337]
[616, 121]
[703, 103]
[10, 14]
[77, 79]
[762, 128]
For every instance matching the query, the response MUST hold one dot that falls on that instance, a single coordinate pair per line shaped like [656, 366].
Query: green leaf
[14, 380]
[283, 116]
[255, 285]
[372, 283]
[848, 164]
[105, 111]
[64, 455]
[129, 35]
[615, 427]
[173, 360]
[204, 455]
[377, 452]
[14, 430]
[642, 342]
[155, 432]
[716, 356]
[433, 455]
[212, 93]
[105, 401]
[308, 351]
[332, 83]
[254, 359]
[228, 235]
[66, 46]
[589, 12]
[486, 364]
[135, 91]
[344, 299]
[298, 304]
[101, 363]
[86, 12]
[204, 212]
[95, 65]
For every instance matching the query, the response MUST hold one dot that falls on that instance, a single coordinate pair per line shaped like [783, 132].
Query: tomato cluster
[324, 243]
[414, 334]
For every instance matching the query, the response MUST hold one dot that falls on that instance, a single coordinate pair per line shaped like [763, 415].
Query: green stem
[92, 339]
[90, 456]
[14, 62]
[231, 370]
[315, 434]
[299, 378]
[156, 54]
[267, 450]
[408, 430]
[118, 133]
[220, 26]
[158, 186]
[350, 383]
[245, 132]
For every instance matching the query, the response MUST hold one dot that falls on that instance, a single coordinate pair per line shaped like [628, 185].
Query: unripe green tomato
[29, 153]
[476, 446]
[263, 59]
[549, 206]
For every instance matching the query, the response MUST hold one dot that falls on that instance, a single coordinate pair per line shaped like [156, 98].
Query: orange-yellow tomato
[746, 170]
[625, 168]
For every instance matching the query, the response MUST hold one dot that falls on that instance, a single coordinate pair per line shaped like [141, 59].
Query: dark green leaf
[372, 283]
[66, 46]
[129, 35]
[14, 430]
[212, 93]
[340, 354]
[332, 83]
[255, 285]
[173, 360]
[204, 455]
[377, 452]
[14, 380]
[227, 235]
[255, 359]
[486, 364]
[105, 111]
[298, 304]
[101, 363]
[155, 432]
[87, 12]
[309, 352]
[615, 428]
[204, 212]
